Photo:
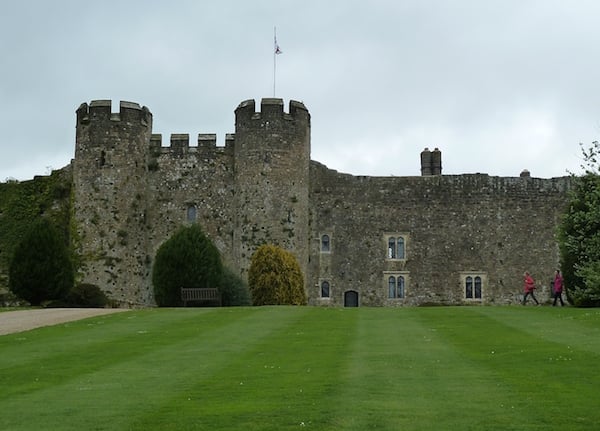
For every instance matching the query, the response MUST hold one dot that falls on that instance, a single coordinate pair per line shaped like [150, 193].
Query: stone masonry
[367, 241]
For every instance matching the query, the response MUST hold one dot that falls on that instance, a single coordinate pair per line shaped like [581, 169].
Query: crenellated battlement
[179, 143]
[130, 194]
[101, 110]
[270, 108]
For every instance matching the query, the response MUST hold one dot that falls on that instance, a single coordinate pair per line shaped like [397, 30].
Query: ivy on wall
[23, 203]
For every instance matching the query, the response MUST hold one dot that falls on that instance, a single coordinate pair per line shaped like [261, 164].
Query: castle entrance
[351, 298]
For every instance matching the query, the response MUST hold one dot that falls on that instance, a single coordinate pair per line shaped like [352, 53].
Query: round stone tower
[271, 169]
[111, 198]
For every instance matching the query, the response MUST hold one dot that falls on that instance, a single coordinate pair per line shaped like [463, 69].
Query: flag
[277, 49]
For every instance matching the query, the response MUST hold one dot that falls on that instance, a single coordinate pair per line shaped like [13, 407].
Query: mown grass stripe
[140, 372]
[398, 374]
[267, 368]
[525, 364]
[82, 347]
[276, 384]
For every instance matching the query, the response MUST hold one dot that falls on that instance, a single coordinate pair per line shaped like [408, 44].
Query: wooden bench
[200, 295]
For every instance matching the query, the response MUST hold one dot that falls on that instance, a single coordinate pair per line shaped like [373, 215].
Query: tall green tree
[579, 234]
[187, 259]
[41, 268]
[275, 277]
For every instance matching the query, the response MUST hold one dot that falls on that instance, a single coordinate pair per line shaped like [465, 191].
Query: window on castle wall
[325, 289]
[469, 287]
[192, 213]
[325, 244]
[395, 248]
[392, 287]
[473, 287]
[395, 287]
[400, 248]
[400, 287]
[102, 160]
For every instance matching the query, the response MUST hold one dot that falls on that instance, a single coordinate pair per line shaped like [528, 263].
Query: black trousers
[558, 295]
[532, 295]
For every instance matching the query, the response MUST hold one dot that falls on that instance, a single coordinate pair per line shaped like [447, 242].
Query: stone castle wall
[111, 198]
[453, 224]
[132, 193]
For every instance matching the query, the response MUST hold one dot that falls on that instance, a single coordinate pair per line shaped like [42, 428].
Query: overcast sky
[498, 86]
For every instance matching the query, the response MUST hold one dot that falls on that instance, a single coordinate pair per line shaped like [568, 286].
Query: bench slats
[200, 294]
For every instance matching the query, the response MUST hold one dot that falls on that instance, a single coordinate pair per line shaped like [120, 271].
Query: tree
[41, 268]
[234, 289]
[579, 234]
[275, 277]
[187, 259]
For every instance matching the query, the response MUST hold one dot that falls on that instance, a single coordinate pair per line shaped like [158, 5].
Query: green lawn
[287, 368]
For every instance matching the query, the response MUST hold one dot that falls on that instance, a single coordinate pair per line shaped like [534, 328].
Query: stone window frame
[322, 282]
[325, 243]
[392, 253]
[405, 275]
[473, 276]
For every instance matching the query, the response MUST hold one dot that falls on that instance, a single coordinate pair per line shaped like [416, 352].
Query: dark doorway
[351, 298]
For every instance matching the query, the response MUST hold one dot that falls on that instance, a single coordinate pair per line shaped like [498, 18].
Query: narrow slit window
[325, 244]
[192, 213]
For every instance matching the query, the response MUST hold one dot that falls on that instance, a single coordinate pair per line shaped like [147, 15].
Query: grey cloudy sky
[498, 86]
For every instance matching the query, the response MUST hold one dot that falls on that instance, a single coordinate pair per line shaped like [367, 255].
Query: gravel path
[24, 320]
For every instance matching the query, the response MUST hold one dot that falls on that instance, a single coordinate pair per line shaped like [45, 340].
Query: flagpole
[274, 58]
[276, 52]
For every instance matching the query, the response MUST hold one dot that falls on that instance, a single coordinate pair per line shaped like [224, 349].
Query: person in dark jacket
[558, 288]
[529, 287]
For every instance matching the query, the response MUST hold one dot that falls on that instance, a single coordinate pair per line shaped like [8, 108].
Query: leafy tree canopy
[41, 268]
[579, 234]
[187, 259]
[275, 277]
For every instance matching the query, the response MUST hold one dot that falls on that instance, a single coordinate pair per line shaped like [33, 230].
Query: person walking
[558, 288]
[529, 287]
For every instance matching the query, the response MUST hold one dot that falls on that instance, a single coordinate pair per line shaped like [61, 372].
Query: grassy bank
[282, 368]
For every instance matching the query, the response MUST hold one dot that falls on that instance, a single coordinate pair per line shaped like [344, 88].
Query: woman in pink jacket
[529, 287]
[558, 288]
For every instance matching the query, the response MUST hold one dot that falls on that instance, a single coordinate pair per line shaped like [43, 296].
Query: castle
[360, 241]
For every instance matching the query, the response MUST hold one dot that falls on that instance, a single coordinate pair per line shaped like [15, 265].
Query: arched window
[396, 286]
[478, 287]
[400, 248]
[400, 287]
[325, 289]
[469, 287]
[396, 283]
[391, 287]
[474, 284]
[396, 247]
[392, 248]
[325, 246]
